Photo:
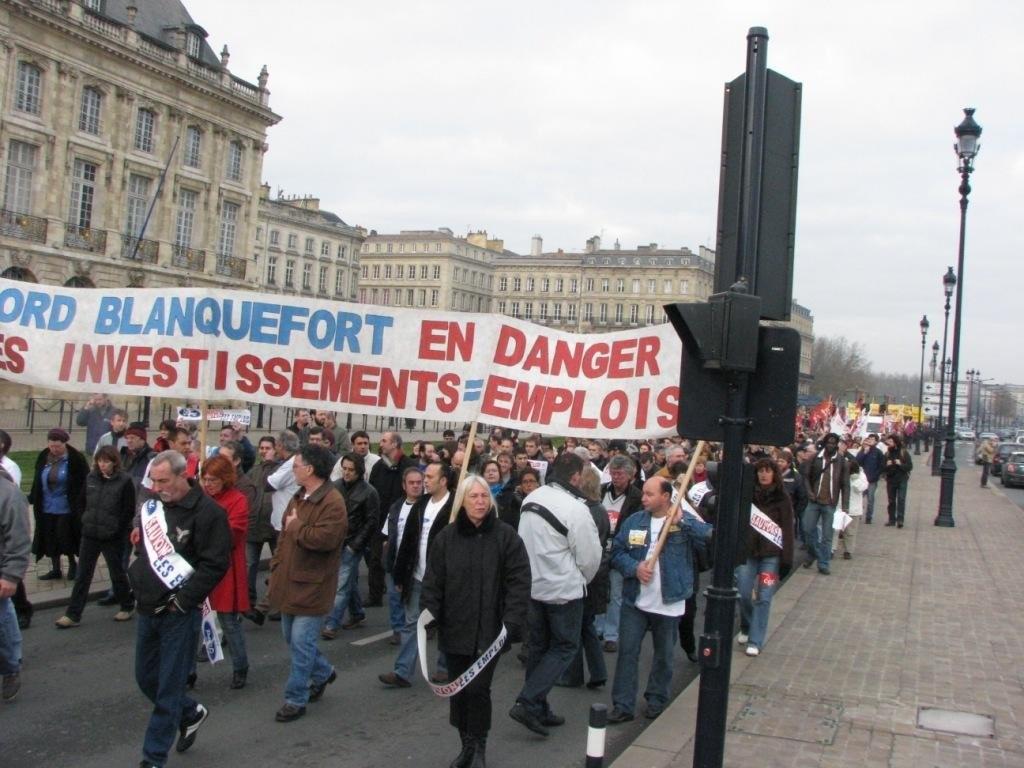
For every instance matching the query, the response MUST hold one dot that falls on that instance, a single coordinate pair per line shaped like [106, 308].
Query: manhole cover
[815, 721]
[950, 721]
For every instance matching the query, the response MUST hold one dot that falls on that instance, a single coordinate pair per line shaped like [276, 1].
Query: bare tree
[839, 367]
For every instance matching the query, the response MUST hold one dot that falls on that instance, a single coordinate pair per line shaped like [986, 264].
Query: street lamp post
[967, 134]
[935, 358]
[948, 284]
[970, 396]
[920, 390]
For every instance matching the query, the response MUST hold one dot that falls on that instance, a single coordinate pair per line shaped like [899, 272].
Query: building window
[652, 286]
[634, 313]
[545, 285]
[437, 272]
[21, 163]
[588, 313]
[195, 45]
[529, 285]
[588, 286]
[401, 247]
[618, 313]
[137, 201]
[271, 269]
[293, 241]
[667, 286]
[365, 272]
[193, 147]
[603, 314]
[528, 310]
[362, 295]
[385, 296]
[408, 297]
[228, 225]
[423, 273]
[684, 287]
[28, 97]
[376, 271]
[186, 217]
[309, 245]
[339, 282]
[390, 247]
[400, 272]
[93, 5]
[650, 314]
[234, 170]
[636, 285]
[501, 307]
[437, 247]
[83, 194]
[517, 284]
[503, 284]
[289, 273]
[342, 251]
[543, 314]
[89, 115]
[421, 297]
[145, 121]
[571, 313]
[435, 295]
[604, 284]
[620, 285]
[325, 249]
[574, 285]
[387, 271]
[307, 276]
[558, 312]
[275, 237]
[322, 282]
[559, 284]
[515, 309]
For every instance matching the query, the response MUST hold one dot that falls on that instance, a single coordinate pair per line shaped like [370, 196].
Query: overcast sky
[569, 119]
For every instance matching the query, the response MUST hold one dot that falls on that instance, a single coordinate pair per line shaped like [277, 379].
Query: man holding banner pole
[183, 545]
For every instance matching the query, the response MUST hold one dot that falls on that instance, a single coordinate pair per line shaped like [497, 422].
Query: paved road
[79, 706]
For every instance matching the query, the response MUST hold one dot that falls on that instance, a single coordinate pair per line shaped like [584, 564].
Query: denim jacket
[675, 562]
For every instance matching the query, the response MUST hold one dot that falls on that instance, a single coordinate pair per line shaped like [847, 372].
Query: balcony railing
[147, 251]
[22, 226]
[188, 258]
[85, 238]
[230, 266]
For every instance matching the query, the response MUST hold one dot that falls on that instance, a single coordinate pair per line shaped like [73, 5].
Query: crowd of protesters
[576, 548]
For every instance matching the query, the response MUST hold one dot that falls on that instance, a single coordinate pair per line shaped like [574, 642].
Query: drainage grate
[814, 721]
[950, 721]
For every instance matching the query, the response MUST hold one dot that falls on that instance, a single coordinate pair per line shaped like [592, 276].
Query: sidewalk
[920, 618]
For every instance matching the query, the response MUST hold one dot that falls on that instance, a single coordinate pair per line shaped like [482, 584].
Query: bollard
[595, 735]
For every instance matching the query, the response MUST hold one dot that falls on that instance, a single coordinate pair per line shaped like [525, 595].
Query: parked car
[1003, 451]
[965, 433]
[1013, 471]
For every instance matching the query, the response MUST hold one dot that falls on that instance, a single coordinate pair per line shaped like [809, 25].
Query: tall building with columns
[132, 155]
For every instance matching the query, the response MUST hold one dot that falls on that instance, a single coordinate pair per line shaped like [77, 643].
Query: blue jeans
[308, 664]
[408, 651]
[608, 622]
[10, 638]
[165, 646]
[897, 498]
[348, 574]
[253, 550]
[554, 639]
[235, 637]
[590, 646]
[869, 501]
[396, 610]
[633, 625]
[819, 543]
[756, 592]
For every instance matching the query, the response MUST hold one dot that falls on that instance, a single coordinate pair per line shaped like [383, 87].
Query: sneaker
[256, 616]
[522, 715]
[618, 716]
[653, 713]
[391, 680]
[396, 638]
[316, 692]
[847, 556]
[753, 650]
[610, 646]
[190, 727]
[66, 622]
[354, 622]
[328, 633]
[742, 638]
[124, 615]
[824, 570]
[51, 576]
[11, 686]
[289, 712]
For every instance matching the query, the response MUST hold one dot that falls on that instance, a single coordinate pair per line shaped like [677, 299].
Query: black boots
[473, 754]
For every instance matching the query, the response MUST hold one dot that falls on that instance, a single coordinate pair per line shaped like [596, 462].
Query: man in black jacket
[386, 478]
[363, 506]
[393, 528]
[428, 516]
[187, 532]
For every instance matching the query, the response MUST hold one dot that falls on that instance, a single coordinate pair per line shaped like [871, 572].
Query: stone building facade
[303, 250]
[98, 97]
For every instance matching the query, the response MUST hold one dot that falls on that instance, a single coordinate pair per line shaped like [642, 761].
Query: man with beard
[828, 482]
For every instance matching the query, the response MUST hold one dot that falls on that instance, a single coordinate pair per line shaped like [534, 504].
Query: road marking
[372, 638]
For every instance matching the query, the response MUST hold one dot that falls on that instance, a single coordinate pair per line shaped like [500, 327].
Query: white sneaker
[753, 650]
[742, 638]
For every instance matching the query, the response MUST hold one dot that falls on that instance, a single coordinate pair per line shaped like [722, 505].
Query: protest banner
[207, 344]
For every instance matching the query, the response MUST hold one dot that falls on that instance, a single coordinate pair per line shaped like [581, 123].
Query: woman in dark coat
[58, 501]
[758, 577]
[478, 578]
[106, 522]
[897, 468]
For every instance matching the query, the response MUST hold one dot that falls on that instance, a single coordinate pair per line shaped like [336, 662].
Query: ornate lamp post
[948, 284]
[920, 390]
[967, 134]
[935, 358]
